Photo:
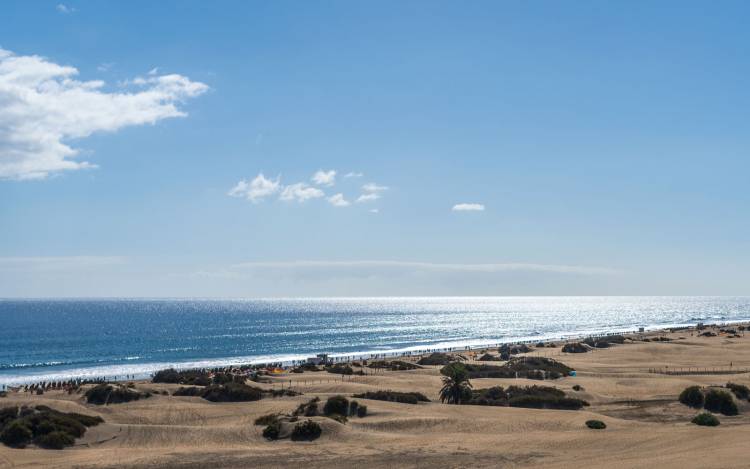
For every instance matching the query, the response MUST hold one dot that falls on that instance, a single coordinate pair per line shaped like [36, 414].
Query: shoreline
[141, 371]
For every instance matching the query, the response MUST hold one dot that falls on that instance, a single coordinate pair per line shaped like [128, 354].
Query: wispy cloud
[324, 178]
[44, 106]
[368, 197]
[338, 200]
[105, 67]
[372, 187]
[58, 263]
[257, 189]
[300, 192]
[353, 175]
[429, 266]
[64, 9]
[468, 208]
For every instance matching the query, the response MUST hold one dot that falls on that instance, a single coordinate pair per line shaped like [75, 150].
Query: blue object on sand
[573, 373]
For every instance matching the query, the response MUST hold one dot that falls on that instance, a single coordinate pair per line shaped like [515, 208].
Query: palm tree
[455, 383]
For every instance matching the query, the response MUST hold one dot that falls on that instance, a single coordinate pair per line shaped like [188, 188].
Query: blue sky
[605, 144]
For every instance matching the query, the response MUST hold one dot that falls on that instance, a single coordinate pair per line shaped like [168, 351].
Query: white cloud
[468, 208]
[257, 189]
[105, 66]
[374, 210]
[372, 187]
[368, 197]
[153, 71]
[338, 200]
[353, 175]
[324, 178]
[64, 8]
[300, 192]
[44, 106]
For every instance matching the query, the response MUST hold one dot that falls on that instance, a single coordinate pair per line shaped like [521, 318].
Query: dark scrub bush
[596, 424]
[338, 405]
[16, 434]
[706, 420]
[720, 402]
[272, 431]
[55, 440]
[692, 396]
[394, 396]
[306, 431]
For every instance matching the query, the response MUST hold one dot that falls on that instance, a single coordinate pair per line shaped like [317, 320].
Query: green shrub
[7, 414]
[191, 391]
[523, 367]
[272, 431]
[394, 396]
[362, 411]
[353, 407]
[739, 390]
[16, 434]
[536, 397]
[437, 358]
[720, 402]
[692, 396]
[267, 419]
[706, 419]
[340, 369]
[108, 394]
[172, 376]
[596, 424]
[395, 365]
[306, 431]
[308, 409]
[55, 440]
[231, 392]
[338, 405]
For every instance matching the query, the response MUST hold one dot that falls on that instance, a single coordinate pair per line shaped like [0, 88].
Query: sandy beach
[646, 425]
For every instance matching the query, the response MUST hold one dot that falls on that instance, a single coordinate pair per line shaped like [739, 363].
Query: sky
[337, 148]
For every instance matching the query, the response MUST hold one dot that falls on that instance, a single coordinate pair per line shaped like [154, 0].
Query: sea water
[55, 339]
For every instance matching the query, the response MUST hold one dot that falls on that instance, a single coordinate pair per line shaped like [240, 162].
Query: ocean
[55, 339]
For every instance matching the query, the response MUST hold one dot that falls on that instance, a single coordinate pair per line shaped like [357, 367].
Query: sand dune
[647, 427]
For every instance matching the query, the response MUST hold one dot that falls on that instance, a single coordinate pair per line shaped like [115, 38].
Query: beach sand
[646, 426]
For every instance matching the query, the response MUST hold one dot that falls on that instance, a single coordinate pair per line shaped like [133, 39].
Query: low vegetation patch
[739, 390]
[308, 409]
[488, 358]
[394, 365]
[188, 377]
[340, 369]
[706, 419]
[394, 396]
[104, 393]
[719, 401]
[42, 426]
[692, 396]
[713, 400]
[306, 431]
[231, 392]
[534, 397]
[576, 347]
[521, 367]
[267, 419]
[596, 424]
[437, 359]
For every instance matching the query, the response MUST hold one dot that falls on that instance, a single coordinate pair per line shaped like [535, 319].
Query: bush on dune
[521, 367]
[739, 390]
[721, 402]
[340, 369]
[705, 419]
[395, 365]
[43, 426]
[232, 392]
[692, 396]
[394, 396]
[596, 424]
[336, 405]
[437, 358]
[191, 377]
[308, 409]
[535, 397]
[102, 394]
[306, 431]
